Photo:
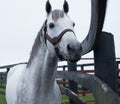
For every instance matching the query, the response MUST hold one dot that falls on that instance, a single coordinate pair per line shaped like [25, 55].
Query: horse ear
[66, 6]
[48, 7]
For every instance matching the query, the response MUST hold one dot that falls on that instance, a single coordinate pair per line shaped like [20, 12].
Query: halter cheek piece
[54, 41]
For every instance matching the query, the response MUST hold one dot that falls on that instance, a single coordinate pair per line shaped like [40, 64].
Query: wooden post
[63, 78]
[118, 77]
[8, 69]
[72, 84]
[105, 64]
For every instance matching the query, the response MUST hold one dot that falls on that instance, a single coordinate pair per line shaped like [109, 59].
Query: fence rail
[63, 82]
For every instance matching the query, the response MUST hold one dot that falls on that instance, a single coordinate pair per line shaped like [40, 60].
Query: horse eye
[51, 25]
[73, 24]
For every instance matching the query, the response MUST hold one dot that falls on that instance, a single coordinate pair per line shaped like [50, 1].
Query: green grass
[2, 99]
[86, 97]
[63, 97]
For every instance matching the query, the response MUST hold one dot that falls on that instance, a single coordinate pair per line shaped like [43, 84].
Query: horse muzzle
[74, 52]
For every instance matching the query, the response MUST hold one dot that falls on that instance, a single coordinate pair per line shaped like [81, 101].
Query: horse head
[59, 34]
[60, 28]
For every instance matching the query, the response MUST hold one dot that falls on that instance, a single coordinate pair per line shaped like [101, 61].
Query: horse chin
[69, 59]
[75, 60]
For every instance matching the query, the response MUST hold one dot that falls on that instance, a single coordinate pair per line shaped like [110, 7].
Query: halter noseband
[55, 40]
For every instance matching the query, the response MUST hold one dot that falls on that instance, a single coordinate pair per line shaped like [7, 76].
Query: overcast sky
[20, 21]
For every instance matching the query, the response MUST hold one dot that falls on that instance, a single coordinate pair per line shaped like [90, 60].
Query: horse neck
[42, 65]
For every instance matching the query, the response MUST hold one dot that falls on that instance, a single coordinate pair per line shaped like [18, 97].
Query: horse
[35, 82]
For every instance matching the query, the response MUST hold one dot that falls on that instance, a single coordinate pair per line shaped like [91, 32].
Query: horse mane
[35, 47]
[55, 15]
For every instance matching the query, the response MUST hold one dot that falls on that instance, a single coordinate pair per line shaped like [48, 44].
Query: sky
[20, 21]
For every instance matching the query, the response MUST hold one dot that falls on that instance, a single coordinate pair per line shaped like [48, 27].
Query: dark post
[72, 84]
[105, 64]
[64, 79]
[83, 88]
[8, 69]
[118, 77]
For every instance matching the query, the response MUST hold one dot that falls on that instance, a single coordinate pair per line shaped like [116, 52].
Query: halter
[54, 41]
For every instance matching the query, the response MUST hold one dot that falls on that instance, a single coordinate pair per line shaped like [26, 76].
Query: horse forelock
[56, 14]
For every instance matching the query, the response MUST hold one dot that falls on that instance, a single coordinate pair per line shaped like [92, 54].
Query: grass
[86, 97]
[2, 99]
[64, 97]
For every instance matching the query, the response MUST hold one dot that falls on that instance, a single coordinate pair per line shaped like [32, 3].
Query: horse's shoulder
[16, 70]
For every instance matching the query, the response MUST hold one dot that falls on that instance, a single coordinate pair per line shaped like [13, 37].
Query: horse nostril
[74, 48]
[69, 48]
[80, 48]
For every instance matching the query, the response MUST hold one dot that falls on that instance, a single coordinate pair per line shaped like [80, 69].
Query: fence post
[8, 69]
[105, 64]
[63, 78]
[118, 77]
[72, 84]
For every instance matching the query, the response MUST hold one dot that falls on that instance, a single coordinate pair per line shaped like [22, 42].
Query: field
[2, 97]
[64, 97]
[88, 97]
